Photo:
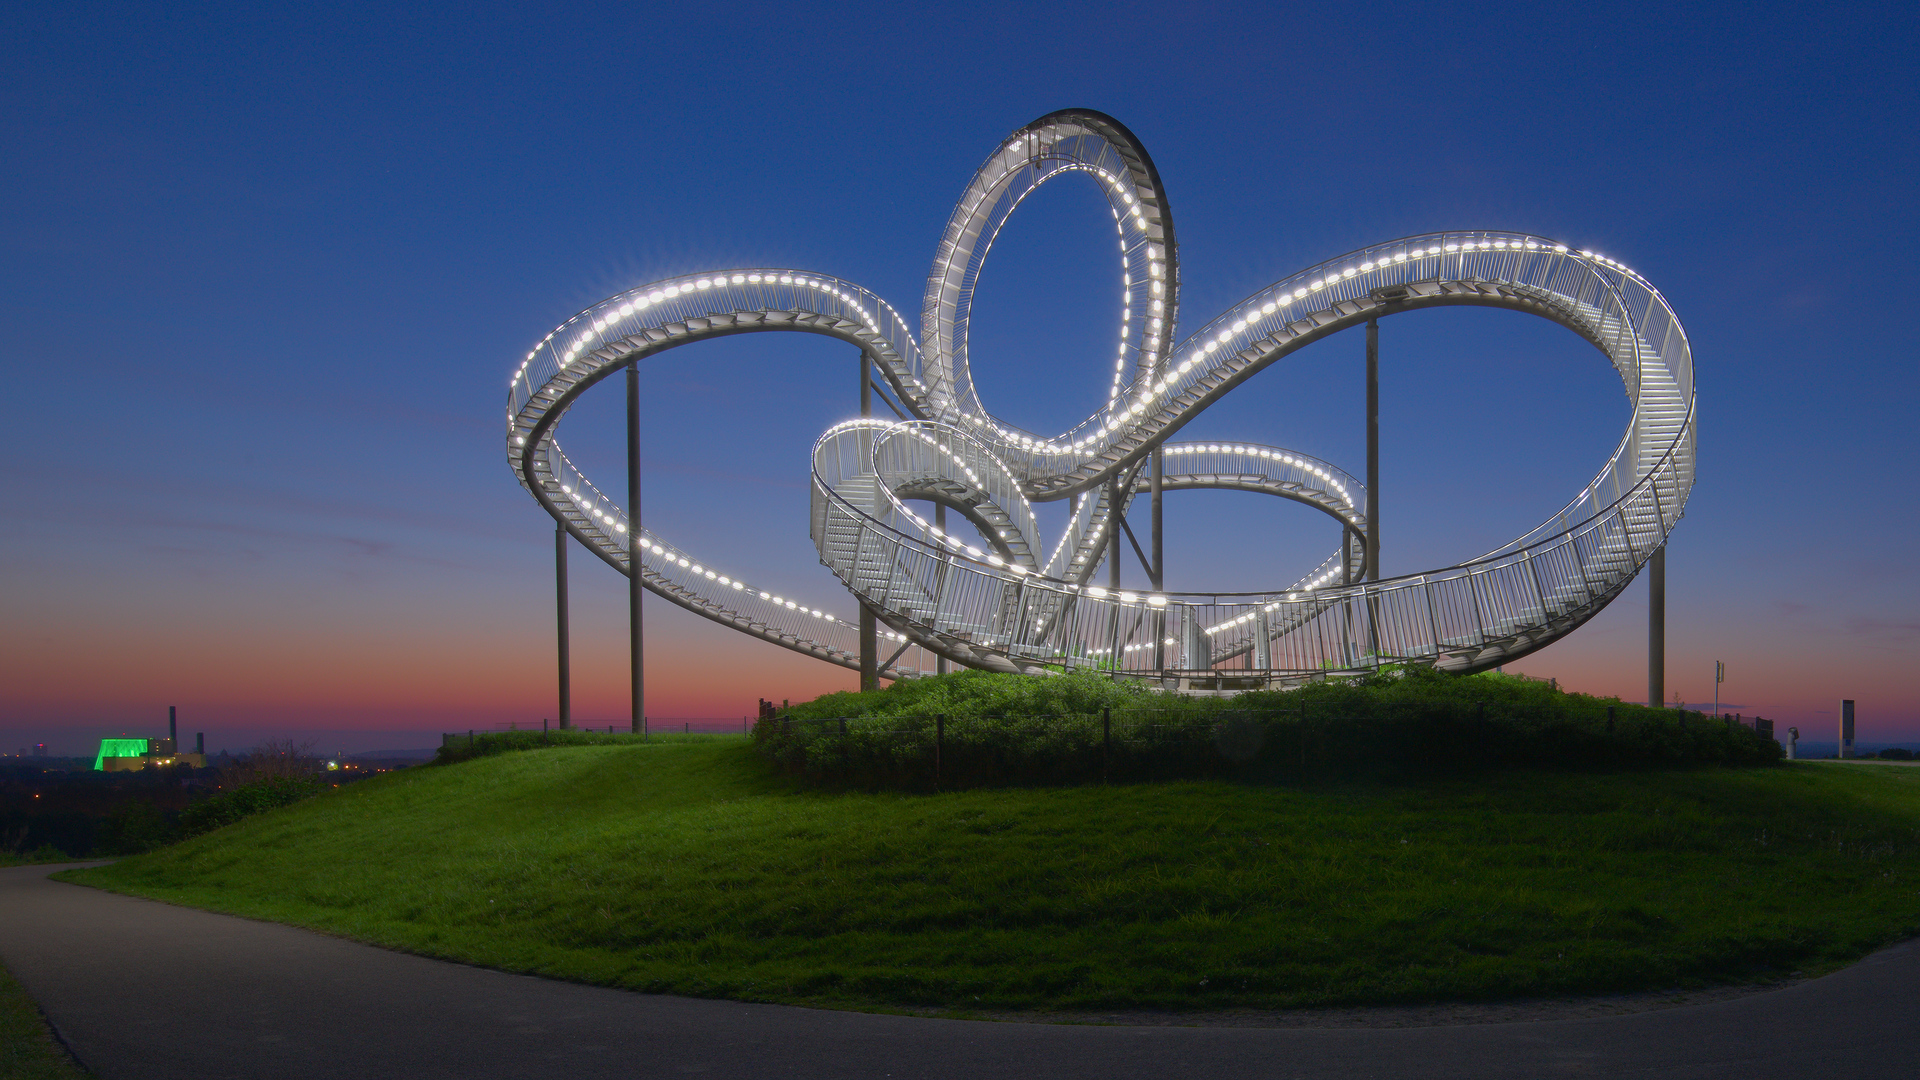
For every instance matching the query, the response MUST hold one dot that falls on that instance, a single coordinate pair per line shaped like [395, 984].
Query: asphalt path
[144, 989]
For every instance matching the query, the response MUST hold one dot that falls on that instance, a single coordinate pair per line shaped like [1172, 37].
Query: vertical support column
[1373, 483]
[1158, 551]
[635, 661]
[560, 614]
[1155, 479]
[1113, 571]
[939, 661]
[1657, 628]
[1846, 728]
[1373, 449]
[173, 727]
[869, 625]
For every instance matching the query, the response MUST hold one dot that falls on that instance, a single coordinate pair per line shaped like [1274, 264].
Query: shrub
[245, 801]
[1082, 727]
[134, 827]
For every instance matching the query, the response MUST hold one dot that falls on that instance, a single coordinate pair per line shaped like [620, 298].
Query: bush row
[243, 802]
[978, 728]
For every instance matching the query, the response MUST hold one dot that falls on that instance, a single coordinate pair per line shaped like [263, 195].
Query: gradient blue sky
[266, 269]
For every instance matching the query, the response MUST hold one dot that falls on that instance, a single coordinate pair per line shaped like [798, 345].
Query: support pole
[560, 613]
[1657, 628]
[634, 590]
[869, 625]
[1373, 484]
[1373, 449]
[1113, 572]
[1157, 550]
[939, 660]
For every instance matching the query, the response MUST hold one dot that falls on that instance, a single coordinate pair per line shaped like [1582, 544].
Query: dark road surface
[143, 989]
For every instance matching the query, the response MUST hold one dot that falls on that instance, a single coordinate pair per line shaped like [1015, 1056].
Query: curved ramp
[1026, 604]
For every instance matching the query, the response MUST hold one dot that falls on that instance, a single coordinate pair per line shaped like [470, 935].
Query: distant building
[132, 755]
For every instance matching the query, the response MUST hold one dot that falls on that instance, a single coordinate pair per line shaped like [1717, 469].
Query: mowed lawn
[690, 868]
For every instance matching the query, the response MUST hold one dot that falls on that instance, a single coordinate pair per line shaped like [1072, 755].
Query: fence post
[939, 746]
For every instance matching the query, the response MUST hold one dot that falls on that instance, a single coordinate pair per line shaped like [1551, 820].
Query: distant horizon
[351, 741]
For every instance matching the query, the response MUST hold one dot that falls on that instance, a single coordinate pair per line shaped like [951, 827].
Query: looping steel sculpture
[1017, 604]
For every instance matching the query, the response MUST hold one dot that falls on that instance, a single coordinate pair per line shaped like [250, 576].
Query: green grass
[692, 868]
[27, 1049]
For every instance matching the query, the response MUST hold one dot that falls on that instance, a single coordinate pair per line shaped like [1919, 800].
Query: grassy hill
[693, 867]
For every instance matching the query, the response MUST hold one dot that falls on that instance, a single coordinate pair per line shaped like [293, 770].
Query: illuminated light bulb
[738, 585]
[1399, 256]
[673, 290]
[764, 596]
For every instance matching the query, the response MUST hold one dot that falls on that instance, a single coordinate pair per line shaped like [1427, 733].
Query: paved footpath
[143, 989]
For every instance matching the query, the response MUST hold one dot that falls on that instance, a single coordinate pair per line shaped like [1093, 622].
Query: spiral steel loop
[1019, 604]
